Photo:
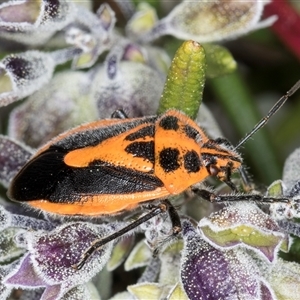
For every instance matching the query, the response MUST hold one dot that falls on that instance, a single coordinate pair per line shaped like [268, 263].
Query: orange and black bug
[110, 166]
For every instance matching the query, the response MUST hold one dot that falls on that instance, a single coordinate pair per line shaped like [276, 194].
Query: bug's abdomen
[48, 177]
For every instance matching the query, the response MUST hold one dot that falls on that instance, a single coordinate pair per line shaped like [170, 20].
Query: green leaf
[242, 234]
[119, 253]
[185, 81]
[9, 251]
[276, 189]
[243, 223]
[219, 60]
[146, 291]
[142, 21]
[178, 293]
[170, 263]
[285, 280]
[140, 256]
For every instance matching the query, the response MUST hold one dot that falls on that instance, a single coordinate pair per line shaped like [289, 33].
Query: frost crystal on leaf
[243, 223]
[53, 255]
[34, 22]
[133, 86]
[26, 73]
[13, 156]
[209, 273]
[38, 120]
[210, 21]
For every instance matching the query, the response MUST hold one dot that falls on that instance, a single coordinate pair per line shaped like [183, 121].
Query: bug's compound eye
[213, 170]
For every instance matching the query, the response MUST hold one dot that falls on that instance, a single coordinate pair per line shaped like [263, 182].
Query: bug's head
[221, 160]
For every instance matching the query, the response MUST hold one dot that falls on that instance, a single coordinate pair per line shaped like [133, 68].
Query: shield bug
[110, 166]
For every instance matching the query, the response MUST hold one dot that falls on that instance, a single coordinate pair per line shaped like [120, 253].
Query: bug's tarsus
[227, 179]
[271, 112]
[205, 194]
[162, 207]
[174, 217]
[231, 185]
[246, 180]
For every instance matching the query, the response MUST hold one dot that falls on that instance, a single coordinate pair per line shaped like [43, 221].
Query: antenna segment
[271, 112]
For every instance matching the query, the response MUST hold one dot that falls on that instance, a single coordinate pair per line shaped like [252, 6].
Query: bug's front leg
[214, 198]
[174, 217]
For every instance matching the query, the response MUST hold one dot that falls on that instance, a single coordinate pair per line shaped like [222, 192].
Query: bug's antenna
[271, 112]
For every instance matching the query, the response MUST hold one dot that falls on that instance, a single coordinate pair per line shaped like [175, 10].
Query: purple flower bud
[209, 273]
[53, 255]
[34, 22]
[24, 73]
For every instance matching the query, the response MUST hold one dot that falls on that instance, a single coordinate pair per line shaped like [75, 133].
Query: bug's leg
[246, 180]
[98, 243]
[174, 217]
[227, 178]
[176, 225]
[119, 114]
[230, 184]
[214, 198]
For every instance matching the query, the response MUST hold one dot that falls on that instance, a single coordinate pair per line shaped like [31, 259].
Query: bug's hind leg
[164, 206]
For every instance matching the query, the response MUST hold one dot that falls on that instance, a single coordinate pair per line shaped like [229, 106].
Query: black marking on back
[169, 123]
[94, 136]
[192, 161]
[223, 141]
[191, 132]
[210, 156]
[142, 133]
[142, 149]
[48, 177]
[211, 144]
[169, 159]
